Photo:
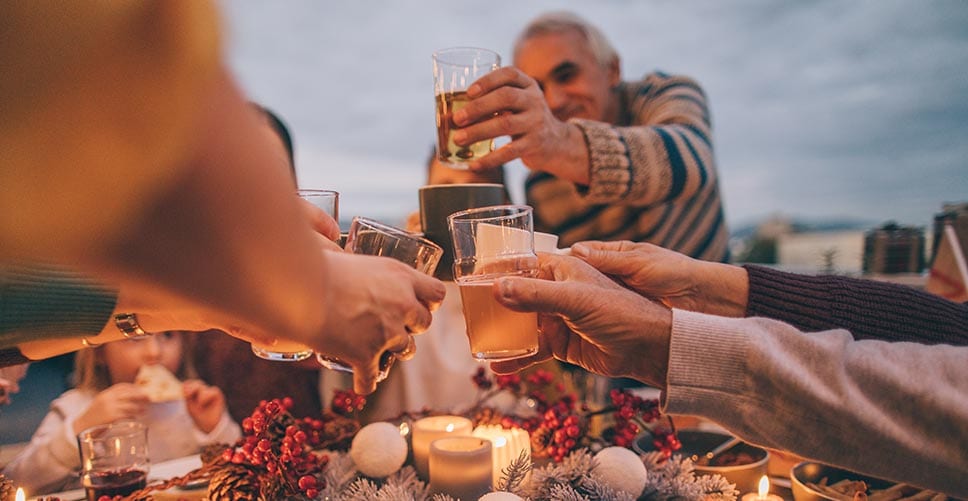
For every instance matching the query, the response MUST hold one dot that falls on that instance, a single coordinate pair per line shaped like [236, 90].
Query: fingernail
[474, 90]
[459, 137]
[579, 250]
[460, 117]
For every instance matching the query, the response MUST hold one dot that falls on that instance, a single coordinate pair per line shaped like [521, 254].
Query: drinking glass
[371, 237]
[489, 243]
[455, 69]
[114, 459]
[282, 349]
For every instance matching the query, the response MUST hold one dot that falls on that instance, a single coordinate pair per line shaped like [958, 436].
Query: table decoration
[460, 466]
[281, 457]
[424, 431]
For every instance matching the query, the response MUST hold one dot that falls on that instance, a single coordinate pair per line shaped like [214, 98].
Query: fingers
[543, 296]
[500, 77]
[430, 292]
[321, 221]
[364, 380]
[408, 351]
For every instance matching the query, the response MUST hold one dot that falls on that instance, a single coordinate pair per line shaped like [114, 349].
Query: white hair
[563, 21]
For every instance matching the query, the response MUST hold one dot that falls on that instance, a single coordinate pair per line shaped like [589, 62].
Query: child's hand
[121, 401]
[205, 404]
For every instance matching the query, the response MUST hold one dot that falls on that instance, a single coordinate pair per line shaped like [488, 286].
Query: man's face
[575, 85]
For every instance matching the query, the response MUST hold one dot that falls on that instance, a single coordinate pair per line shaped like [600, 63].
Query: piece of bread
[158, 383]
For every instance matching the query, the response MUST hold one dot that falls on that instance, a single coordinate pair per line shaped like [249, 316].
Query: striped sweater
[653, 176]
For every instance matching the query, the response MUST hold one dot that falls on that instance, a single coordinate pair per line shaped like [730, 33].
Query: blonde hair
[91, 371]
[563, 21]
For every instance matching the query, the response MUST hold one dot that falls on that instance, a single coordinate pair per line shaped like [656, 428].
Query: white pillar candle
[428, 429]
[506, 446]
[460, 467]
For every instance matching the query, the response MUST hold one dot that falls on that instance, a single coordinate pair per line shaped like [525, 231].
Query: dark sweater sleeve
[42, 302]
[868, 309]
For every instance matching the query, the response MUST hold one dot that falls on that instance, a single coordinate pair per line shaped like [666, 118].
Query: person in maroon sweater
[867, 308]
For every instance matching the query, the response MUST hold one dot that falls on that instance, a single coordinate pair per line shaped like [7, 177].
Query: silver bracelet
[128, 325]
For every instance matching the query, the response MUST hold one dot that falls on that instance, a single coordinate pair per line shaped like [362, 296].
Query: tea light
[506, 446]
[764, 492]
[428, 429]
[460, 467]
[20, 494]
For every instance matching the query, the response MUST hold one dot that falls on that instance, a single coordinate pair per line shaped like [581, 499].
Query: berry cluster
[280, 445]
[561, 425]
[347, 402]
[566, 429]
[631, 415]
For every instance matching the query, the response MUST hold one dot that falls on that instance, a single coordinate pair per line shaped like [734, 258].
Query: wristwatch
[128, 325]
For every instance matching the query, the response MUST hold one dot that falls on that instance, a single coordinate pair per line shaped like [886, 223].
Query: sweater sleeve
[664, 154]
[40, 301]
[890, 410]
[867, 308]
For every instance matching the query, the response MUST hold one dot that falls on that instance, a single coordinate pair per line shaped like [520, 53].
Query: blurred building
[948, 276]
[893, 249]
[954, 214]
[828, 252]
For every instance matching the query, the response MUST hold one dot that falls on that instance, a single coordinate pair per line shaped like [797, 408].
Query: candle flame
[449, 428]
[764, 487]
[20, 494]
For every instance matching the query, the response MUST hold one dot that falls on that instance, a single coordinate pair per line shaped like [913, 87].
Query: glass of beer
[114, 459]
[455, 69]
[489, 243]
[371, 237]
[282, 349]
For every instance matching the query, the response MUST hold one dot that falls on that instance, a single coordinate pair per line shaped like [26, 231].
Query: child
[106, 393]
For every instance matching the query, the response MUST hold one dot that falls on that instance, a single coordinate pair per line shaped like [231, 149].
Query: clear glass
[371, 237]
[281, 349]
[489, 243]
[114, 459]
[455, 69]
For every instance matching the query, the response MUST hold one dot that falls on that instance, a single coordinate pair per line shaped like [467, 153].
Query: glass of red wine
[114, 459]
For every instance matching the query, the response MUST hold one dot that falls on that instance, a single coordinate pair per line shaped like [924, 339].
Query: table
[160, 471]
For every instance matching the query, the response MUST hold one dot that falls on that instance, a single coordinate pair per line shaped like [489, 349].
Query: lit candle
[460, 467]
[764, 492]
[431, 428]
[506, 446]
[20, 494]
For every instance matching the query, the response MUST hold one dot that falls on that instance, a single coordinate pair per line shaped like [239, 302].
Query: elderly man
[610, 160]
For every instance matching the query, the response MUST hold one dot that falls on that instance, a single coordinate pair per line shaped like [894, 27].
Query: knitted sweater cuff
[799, 299]
[37, 302]
[610, 166]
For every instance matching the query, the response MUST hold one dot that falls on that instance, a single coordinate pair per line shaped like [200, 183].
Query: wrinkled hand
[588, 320]
[120, 401]
[507, 102]
[677, 280]
[205, 404]
[375, 304]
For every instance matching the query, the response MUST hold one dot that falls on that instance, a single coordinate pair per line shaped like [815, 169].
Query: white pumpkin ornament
[621, 469]
[378, 450]
[500, 496]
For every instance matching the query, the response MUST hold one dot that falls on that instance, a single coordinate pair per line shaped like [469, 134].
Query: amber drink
[455, 69]
[495, 332]
[490, 243]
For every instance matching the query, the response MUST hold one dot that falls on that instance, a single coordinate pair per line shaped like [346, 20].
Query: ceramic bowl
[746, 476]
[809, 472]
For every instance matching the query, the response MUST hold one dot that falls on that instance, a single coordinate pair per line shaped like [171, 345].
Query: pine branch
[513, 476]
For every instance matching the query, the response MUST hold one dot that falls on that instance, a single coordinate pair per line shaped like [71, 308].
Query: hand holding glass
[491, 242]
[455, 70]
[374, 238]
[281, 349]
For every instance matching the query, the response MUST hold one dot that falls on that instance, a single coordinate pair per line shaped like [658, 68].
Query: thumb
[532, 294]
